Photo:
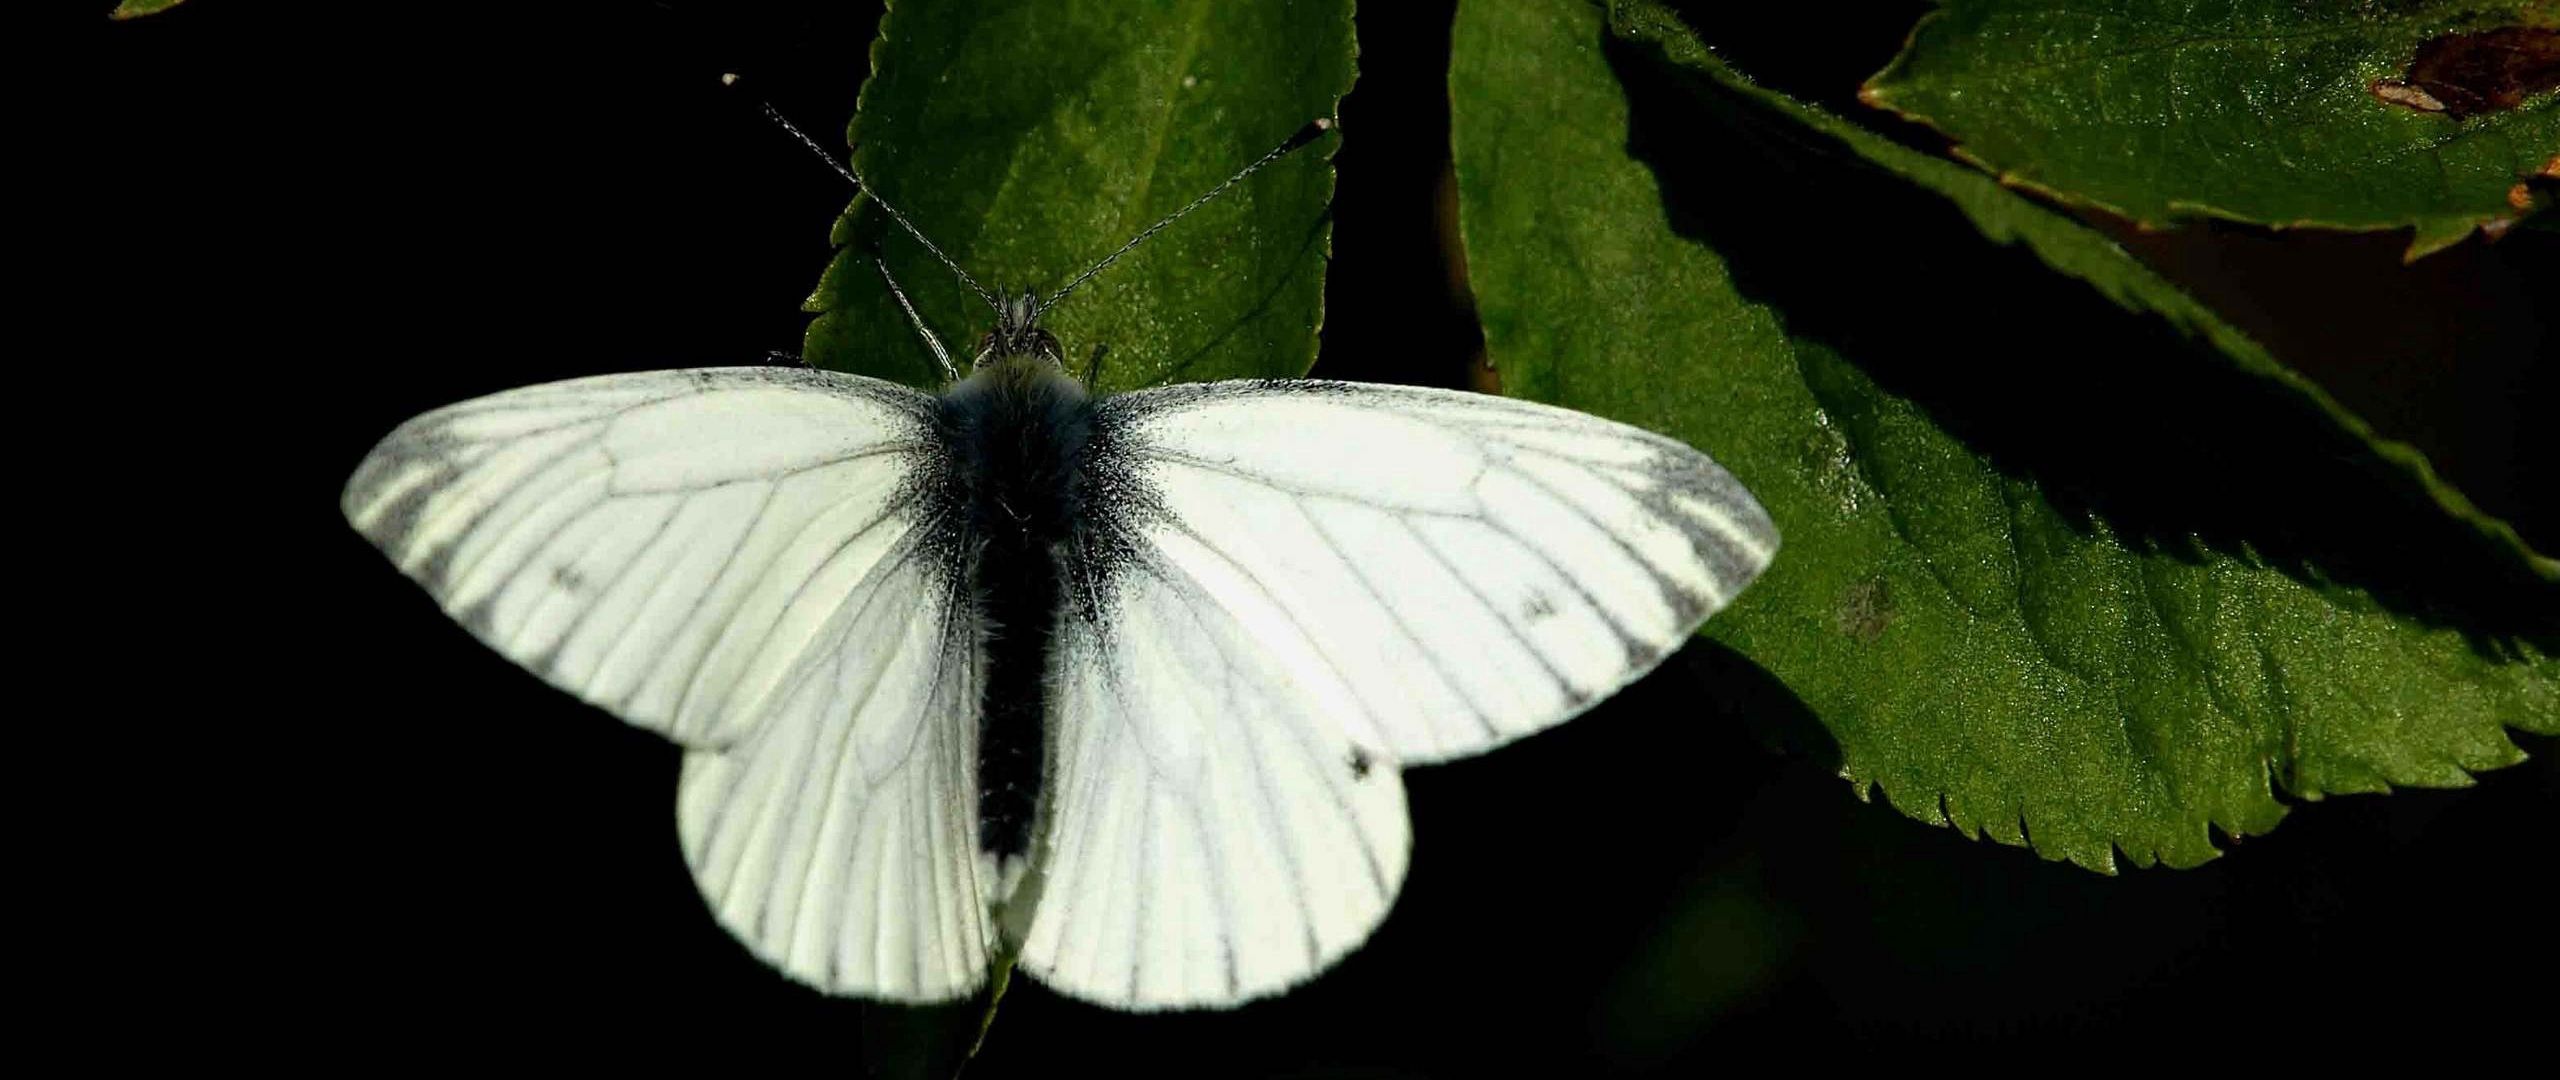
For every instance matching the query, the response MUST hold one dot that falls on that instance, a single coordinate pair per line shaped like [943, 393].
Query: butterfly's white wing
[1213, 836]
[840, 842]
[755, 563]
[1298, 586]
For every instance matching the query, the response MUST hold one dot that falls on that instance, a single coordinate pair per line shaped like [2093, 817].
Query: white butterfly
[1115, 688]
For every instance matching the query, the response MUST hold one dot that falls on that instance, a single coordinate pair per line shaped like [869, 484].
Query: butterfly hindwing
[839, 842]
[1212, 840]
[756, 563]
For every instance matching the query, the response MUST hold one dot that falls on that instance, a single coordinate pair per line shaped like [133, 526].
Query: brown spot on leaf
[2463, 75]
[1866, 608]
[2406, 96]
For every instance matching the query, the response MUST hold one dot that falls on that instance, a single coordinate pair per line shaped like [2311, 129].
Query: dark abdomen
[1018, 431]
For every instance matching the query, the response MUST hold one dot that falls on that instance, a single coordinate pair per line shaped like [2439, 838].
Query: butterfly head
[1018, 333]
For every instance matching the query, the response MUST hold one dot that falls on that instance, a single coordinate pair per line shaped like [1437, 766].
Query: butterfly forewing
[1474, 568]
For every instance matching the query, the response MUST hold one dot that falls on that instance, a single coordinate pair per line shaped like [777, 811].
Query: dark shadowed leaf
[135, 9]
[2067, 561]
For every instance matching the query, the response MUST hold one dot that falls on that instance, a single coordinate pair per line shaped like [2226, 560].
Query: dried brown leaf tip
[2463, 75]
[2524, 198]
[2537, 189]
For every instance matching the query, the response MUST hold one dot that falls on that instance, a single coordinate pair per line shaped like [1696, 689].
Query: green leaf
[2267, 111]
[1029, 139]
[2072, 249]
[135, 9]
[2066, 558]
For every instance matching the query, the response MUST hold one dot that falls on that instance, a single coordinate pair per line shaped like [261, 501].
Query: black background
[322, 220]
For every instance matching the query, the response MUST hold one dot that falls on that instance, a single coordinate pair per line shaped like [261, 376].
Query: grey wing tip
[364, 485]
[385, 517]
[1763, 530]
[1737, 537]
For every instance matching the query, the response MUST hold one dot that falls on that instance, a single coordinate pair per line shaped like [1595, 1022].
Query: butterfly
[1114, 689]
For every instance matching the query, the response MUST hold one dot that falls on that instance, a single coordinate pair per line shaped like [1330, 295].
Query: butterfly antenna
[845, 169]
[1314, 130]
[949, 370]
